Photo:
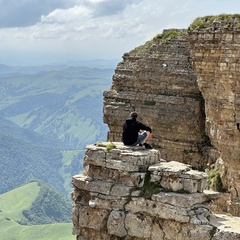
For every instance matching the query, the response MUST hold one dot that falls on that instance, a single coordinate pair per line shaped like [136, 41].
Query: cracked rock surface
[129, 200]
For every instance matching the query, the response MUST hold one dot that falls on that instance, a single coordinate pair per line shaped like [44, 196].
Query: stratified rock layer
[185, 85]
[215, 53]
[157, 81]
[130, 193]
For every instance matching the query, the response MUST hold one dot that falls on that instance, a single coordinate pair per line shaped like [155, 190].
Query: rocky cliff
[185, 85]
[215, 52]
[131, 193]
[157, 81]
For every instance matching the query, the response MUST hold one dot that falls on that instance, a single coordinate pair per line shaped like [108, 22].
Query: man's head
[134, 115]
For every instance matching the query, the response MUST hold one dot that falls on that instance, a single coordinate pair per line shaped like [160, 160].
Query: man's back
[131, 129]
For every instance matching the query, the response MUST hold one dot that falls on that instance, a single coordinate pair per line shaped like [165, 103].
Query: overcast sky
[45, 31]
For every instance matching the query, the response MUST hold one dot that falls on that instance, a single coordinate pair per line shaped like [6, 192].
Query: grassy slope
[11, 230]
[11, 206]
[12, 203]
[65, 105]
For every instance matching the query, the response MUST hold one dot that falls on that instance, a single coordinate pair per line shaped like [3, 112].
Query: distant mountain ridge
[97, 63]
[55, 103]
[9, 128]
[21, 161]
[48, 116]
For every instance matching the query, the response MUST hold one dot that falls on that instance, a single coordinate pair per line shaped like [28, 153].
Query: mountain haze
[48, 114]
[65, 105]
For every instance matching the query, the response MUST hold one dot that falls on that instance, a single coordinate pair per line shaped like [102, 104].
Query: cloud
[101, 28]
[74, 14]
[22, 13]
[108, 7]
[89, 9]
[84, 21]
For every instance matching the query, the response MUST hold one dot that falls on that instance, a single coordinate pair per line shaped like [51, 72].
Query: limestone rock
[226, 227]
[95, 219]
[157, 80]
[116, 223]
[138, 225]
[177, 176]
[119, 206]
[215, 52]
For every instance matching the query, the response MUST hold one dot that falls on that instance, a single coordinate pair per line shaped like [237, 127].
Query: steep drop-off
[157, 81]
[185, 85]
[215, 51]
[130, 193]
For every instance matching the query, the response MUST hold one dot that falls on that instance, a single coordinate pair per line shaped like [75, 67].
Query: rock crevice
[185, 85]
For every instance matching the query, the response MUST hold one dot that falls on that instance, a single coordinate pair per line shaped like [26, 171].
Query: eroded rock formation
[185, 85]
[130, 193]
[157, 81]
[215, 53]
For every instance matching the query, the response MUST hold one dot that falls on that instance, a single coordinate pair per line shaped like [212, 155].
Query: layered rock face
[157, 81]
[215, 53]
[185, 85]
[131, 193]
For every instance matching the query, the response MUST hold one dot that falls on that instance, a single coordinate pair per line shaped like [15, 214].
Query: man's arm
[145, 127]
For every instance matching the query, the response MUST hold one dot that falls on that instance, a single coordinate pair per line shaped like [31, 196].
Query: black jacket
[131, 127]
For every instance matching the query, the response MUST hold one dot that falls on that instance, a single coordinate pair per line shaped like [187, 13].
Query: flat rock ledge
[131, 193]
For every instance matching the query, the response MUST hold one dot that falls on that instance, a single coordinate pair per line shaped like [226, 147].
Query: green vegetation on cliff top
[167, 36]
[207, 21]
[199, 23]
[170, 34]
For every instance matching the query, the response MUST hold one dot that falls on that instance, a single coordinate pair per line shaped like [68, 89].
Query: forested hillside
[21, 162]
[47, 117]
[35, 211]
[50, 206]
[64, 105]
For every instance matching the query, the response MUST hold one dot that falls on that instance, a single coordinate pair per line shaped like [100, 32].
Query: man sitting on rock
[136, 133]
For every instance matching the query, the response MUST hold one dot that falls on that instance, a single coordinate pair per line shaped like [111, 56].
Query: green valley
[32, 197]
[48, 115]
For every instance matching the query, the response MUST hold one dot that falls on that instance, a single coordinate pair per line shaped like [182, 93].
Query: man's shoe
[147, 146]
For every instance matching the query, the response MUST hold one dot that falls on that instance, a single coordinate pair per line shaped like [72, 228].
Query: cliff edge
[131, 193]
[185, 85]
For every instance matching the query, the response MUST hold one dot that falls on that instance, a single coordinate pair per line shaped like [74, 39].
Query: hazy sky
[44, 31]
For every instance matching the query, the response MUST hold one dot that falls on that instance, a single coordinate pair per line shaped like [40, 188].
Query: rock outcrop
[185, 85]
[131, 193]
[157, 81]
[215, 53]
